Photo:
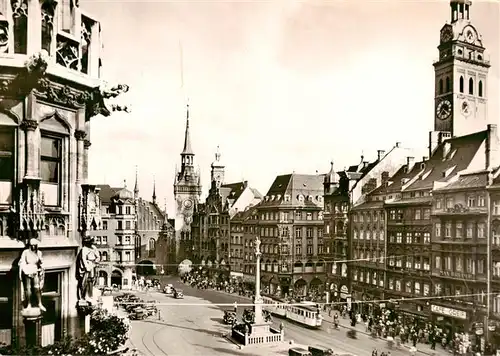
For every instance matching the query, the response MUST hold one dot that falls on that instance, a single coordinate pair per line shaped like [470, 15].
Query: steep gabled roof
[475, 180]
[293, 186]
[395, 183]
[460, 155]
[107, 193]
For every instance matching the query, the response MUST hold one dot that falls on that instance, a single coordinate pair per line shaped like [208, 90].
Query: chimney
[380, 154]
[245, 183]
[446, 149]
[424, 158]
[410, 161]
[492, 147]
[365, 164]
[398, 144]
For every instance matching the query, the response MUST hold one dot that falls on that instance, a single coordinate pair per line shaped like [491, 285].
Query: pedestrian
[235, 307]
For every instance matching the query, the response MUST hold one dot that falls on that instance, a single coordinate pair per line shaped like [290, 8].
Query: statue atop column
[32, 276]
[86, 262]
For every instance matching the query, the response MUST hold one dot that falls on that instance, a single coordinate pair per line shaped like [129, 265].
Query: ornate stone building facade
[214, 245]
[187, 192]
[50, 64]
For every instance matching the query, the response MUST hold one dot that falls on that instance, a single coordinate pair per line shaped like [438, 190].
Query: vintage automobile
[320, 351]
[138, 314]
[229, 317]
[178, 294]
[298, 351]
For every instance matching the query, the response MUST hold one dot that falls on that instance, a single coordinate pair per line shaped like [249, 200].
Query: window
[458, 230]
[449, 203]
[409, 237]
[471, 86]
[320, 232]
[447, 230]
[408, 287]
[104, 240]
[448, 84]
[496, 207]
[50, 169]
[427, 265]
[418, 215]
[458, 264]
[20, 30]
[127, 225]
[409, 262]
[461, 84]
[427, 238]
[51, 298]
[441, 86]
[104, 225]
[128, 256]
[480, 266]
[298, 250]
[120, 225]
[417, 288]
[427, 214]
[480, 231]
[309, 232]
[438, 262]
[480, 89]
[399, 237]
[426, 289]
[470, 230]
[471, 201]
[438, 204]
[438, 230]
[128, 210]
[7, 146]
[298, 232]
[47, 24]
[469, 266]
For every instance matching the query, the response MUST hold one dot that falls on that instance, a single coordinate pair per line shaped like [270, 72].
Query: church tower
[461, 75]
[187, 192]
[217, 173]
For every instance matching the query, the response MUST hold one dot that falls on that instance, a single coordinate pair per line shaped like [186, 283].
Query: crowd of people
[383, 323]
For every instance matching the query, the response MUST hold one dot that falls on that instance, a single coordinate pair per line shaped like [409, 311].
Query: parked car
[178, 294]
[299, 351]
[320, 351]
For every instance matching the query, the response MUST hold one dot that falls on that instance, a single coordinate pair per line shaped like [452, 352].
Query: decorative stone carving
[19, 8]
[458, 208]
[4, 34]
[89, 208]
[61, 95]
[31, 206]
[67, 52]
[37, 64]
[32, 276]
[29, 125]
[87, 144]
[80, 135]
[86, 263]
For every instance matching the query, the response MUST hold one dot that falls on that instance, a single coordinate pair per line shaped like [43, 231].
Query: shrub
[108, 333]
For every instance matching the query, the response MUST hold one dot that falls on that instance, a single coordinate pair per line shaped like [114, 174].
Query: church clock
[443, 109]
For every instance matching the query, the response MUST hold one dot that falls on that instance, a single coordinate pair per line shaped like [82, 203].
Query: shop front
[450, 320]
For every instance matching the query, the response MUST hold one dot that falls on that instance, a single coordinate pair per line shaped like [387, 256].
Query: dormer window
[300, 197]
[310, 198]
[272, 197]
[287, 197]
[278, 197]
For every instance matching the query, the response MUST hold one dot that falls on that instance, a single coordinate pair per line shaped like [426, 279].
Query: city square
[249, 178]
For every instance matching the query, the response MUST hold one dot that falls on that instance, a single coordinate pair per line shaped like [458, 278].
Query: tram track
[153, 340]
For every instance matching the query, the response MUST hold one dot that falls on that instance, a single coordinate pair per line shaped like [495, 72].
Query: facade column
[32, 157]
[80, 152]
[258, 319]
[85, 171]
[33, 327]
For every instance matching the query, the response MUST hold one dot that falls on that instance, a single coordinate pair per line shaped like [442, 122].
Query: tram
[304, 313]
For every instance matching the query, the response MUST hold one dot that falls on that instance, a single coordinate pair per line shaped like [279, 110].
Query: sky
[281, 86]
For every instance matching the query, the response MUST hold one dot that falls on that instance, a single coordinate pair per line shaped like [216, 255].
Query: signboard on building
[454, 313]
[344, 291]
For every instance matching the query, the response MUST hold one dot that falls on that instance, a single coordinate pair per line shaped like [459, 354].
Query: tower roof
[187, 138]
[154, 190]
[136, 187]
[217, 162]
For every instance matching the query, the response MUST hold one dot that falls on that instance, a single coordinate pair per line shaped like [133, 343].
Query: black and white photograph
[250, 177]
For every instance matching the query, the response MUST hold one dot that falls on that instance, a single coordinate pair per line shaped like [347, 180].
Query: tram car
[304, 313]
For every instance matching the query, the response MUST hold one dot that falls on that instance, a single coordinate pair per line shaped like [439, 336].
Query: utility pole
[488, 262]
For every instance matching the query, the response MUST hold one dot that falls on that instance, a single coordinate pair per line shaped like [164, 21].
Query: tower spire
[187, 137]
[154, 190]
[136, 187]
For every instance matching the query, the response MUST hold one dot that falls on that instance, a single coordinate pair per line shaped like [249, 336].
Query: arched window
[461, 84]
[152, 247]
[471, 86]
[480, 88]
[440, 86]
[448, 84]
[104, 256]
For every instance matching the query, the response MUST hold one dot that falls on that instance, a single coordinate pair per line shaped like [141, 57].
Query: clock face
[446, 34]
[443, 110]
[470, 34]
[188, 203]
[465, 108]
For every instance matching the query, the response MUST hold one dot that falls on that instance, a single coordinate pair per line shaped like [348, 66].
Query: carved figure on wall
[4, 34]
[86, 262]
[32, 275]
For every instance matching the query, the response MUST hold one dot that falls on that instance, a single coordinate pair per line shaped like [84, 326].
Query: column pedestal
[33, 326]
[84, 308]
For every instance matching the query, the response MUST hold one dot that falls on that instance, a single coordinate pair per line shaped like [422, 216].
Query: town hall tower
[461, 75]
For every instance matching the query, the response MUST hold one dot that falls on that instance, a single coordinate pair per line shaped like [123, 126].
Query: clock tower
[461, 76]
[187, 192]
[217, 174]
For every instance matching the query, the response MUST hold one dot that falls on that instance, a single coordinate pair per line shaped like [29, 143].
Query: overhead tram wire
[254, 263]
[391, 300]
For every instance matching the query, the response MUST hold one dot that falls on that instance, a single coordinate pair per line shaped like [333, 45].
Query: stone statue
[257, 245]
[32, 275]
[85, 269]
